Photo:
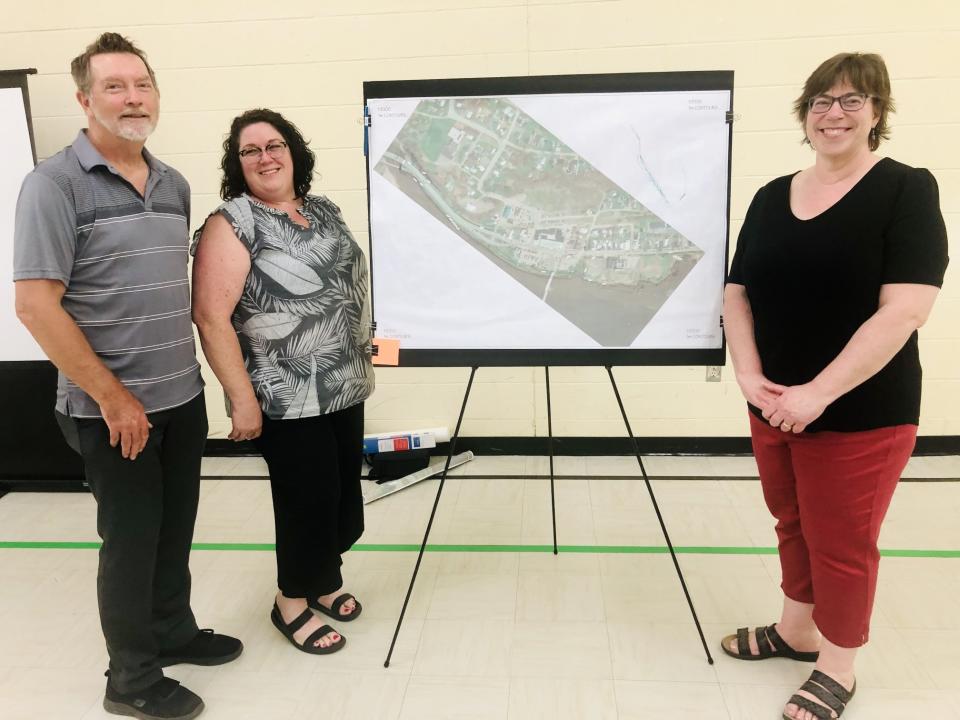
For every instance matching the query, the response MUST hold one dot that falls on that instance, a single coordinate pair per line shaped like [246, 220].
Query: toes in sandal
[334, 609]
[288, 629]
[833, 696]
[769, 643]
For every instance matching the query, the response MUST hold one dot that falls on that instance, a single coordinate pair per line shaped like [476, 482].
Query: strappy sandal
[334, 610]
[769, 643]
[288, 629]
[828, 691]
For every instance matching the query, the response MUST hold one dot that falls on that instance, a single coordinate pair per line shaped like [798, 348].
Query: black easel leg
[553, 500]
[436, 502]
[656, 507]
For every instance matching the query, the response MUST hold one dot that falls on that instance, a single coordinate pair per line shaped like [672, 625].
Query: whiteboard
[17, 343]
[552, 220]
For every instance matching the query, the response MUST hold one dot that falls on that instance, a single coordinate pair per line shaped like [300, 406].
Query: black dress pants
[146, 509]
[315, 465]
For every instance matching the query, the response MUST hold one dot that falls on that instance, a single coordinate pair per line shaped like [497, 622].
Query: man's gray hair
[109, 42]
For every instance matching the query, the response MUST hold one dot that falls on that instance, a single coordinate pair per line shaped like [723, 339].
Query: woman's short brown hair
[864, 71]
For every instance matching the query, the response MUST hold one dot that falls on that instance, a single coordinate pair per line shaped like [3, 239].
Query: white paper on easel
[17, 343]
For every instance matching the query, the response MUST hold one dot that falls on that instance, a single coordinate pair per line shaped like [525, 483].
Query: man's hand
[127, 423]
[40, 310]
[247, 420]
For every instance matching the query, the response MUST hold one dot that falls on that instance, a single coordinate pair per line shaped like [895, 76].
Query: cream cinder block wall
[219, 57]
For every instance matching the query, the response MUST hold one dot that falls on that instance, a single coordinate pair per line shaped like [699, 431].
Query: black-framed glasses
[851, 102]
[252, 154]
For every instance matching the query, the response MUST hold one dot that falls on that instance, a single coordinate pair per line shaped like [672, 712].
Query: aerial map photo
[511, 189]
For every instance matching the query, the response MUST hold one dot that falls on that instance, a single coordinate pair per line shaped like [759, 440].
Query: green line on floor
[583, 549]
[921, 553]
[52, 545]
[412, 547]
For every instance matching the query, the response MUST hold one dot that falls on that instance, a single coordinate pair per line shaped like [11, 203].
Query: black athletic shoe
[166, 699]
[206, 648]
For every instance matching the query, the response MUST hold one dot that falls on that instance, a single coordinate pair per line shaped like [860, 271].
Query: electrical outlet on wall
[713, 373]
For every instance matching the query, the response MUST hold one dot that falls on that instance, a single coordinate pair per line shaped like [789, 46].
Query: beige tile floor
[499, 634]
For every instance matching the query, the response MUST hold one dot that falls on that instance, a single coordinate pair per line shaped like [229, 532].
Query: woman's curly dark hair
[233, 185]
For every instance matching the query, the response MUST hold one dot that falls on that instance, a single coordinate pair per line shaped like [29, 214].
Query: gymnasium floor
[498, 627]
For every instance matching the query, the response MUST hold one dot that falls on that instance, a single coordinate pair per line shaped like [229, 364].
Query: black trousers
[315, 466]
[146, 509]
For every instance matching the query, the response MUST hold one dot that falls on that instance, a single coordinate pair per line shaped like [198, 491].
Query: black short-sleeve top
[812, 283]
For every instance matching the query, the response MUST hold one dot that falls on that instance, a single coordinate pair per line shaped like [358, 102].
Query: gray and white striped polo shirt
[123, 260]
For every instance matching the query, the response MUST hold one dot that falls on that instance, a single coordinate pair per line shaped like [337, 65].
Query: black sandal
[334, 610]
[308, 645]
[828, 691]
[769, 643]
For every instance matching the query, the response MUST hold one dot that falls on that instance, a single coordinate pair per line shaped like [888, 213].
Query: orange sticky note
[386, 351]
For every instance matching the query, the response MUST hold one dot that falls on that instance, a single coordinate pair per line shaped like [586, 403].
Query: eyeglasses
[851, 102]
[253, 154]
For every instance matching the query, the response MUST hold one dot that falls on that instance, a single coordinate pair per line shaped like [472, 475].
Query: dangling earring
[873, 134]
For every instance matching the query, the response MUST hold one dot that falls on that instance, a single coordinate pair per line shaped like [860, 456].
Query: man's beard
[133, 129]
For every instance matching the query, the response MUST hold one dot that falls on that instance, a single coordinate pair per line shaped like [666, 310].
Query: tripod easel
[646, 479]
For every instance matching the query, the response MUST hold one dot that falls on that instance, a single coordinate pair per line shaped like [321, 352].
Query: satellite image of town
[541, 212]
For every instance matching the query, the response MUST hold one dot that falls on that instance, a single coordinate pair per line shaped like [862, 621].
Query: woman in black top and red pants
[835, 269]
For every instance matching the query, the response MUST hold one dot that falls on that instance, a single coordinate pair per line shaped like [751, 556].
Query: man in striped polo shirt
[100, 264]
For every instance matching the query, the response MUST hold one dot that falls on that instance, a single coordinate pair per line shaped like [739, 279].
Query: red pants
[829, 492]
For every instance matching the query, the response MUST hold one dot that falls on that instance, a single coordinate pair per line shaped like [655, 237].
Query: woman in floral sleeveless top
[280, 300]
